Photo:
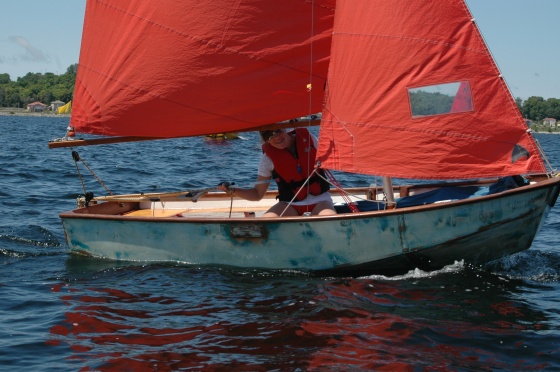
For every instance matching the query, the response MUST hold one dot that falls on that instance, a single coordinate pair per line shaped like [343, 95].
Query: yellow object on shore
[66, 109]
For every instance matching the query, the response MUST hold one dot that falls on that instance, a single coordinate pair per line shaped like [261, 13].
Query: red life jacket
[291, 172]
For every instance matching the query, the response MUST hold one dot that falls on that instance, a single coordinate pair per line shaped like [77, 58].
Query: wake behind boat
[412, 93]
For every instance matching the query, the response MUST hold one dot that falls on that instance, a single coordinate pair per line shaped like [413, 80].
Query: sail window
[440, 99]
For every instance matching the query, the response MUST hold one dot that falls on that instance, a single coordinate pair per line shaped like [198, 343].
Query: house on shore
[36, 107]
[55, 105]
[549, 122]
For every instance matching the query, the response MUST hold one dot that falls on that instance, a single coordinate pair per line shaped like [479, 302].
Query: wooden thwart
[155, 212]
[161, 213]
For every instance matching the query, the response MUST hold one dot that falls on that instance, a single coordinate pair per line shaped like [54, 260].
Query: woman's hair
[267, 134]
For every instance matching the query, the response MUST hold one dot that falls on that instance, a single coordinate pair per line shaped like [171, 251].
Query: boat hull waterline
[476, 230]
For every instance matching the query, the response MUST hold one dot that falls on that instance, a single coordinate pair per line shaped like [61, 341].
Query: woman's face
[280, 140]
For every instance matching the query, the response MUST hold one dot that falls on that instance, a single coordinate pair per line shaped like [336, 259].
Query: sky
[523, 35]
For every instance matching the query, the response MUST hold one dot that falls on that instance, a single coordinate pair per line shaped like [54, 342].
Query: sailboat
[405, 89]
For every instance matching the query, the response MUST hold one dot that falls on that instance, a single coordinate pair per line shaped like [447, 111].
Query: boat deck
[218, 205]
[213, 205]
[236, 212]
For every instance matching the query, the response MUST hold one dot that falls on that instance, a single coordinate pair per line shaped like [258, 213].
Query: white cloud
[31, 53]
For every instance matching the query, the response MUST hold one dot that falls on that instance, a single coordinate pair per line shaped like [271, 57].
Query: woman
[289, 158]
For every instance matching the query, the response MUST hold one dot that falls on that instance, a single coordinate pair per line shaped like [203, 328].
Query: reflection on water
[174, 317]
[397, 328]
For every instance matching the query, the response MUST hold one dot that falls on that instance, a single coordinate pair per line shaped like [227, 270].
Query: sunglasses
[270, 134]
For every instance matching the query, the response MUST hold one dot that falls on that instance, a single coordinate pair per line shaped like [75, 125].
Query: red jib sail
[413, 92]
[171, 68]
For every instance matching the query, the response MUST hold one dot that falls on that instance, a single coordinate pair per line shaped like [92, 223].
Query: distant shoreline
[22, 112]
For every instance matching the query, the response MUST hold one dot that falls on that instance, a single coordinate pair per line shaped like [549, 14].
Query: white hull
[476, 230]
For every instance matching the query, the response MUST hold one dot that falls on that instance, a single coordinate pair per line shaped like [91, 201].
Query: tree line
[37, 87]
[534, 108]
[537, 108]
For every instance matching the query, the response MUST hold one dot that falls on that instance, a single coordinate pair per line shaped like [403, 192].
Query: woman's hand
[227, 187]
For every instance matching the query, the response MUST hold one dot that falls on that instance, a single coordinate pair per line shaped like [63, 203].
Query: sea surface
[64, 313]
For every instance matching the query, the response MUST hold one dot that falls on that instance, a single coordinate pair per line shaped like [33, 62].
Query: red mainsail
[382, 51]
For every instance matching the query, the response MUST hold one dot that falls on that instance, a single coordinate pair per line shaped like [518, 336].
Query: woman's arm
[255, 193]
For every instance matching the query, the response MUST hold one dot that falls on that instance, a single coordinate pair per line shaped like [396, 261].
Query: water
[65, 313]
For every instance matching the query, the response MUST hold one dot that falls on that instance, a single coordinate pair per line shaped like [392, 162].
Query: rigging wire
[310, 86]
[333, 182]
[77, 158]
[352, 205]
[346, 195]
[306, 183]
[545, 158]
